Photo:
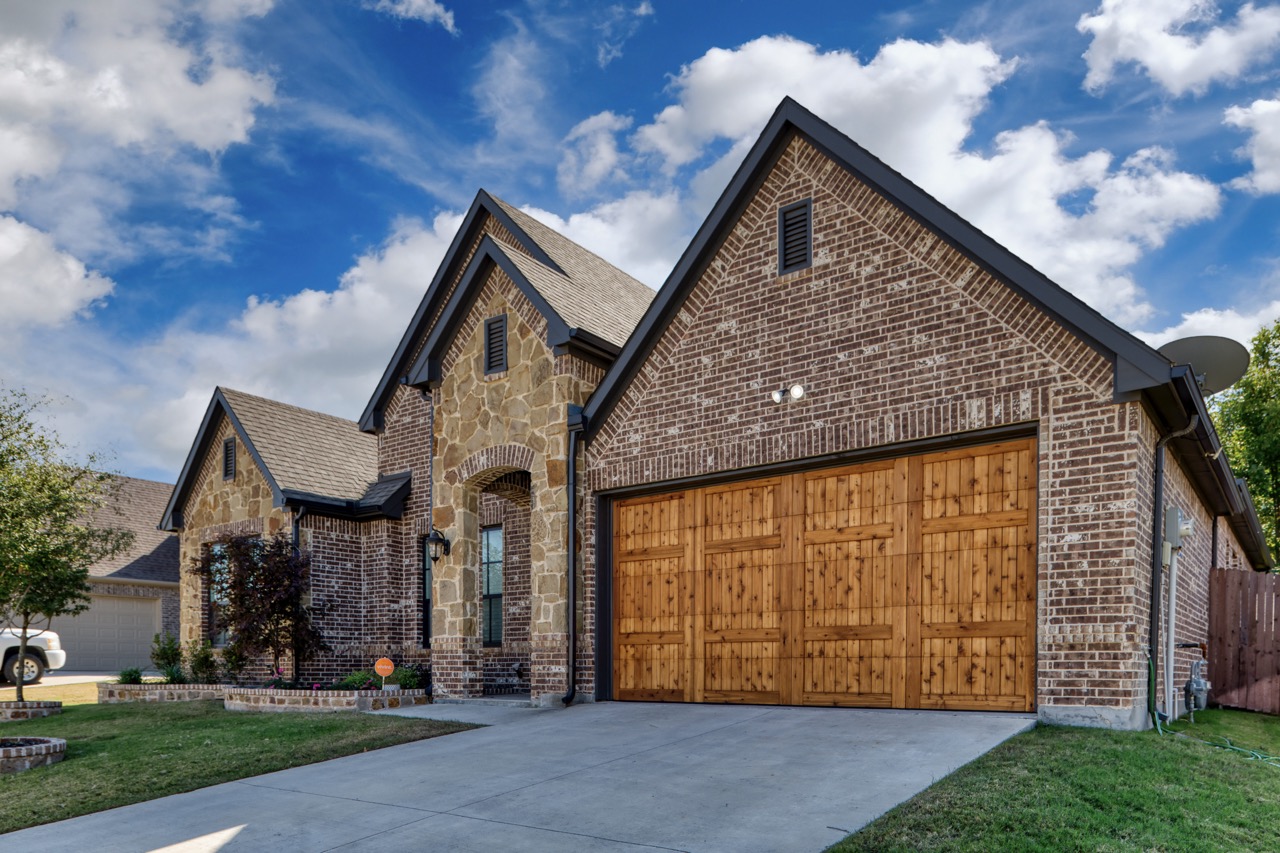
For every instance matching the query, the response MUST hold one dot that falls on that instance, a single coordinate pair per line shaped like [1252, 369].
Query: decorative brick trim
[492, 462]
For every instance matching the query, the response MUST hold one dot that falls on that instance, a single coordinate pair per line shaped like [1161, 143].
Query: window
[491, 581]
[495, 344]
[218, 635]
[795, 236]
[426, 594]
[229, 458]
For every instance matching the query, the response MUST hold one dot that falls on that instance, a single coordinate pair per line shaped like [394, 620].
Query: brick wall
[897, 337]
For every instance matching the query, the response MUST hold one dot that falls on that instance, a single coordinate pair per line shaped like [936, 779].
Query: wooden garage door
[906, 583]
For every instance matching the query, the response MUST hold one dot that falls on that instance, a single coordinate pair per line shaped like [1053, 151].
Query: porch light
[437, 545]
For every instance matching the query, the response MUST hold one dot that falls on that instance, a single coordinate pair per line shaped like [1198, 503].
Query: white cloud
[591, 155]
[1262, 120]
[99, 101]
[1180, 43]
[318, 349]
[619, 24]
[39, 285]
[643, 232]
[1228, 323]
[1083, 221]
[427, 11]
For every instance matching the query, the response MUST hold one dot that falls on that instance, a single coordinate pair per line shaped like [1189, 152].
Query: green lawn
[67, 694]
[1057, 789]
[127, 753]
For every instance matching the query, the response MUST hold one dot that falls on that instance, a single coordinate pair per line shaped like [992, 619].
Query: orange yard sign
[384, 667]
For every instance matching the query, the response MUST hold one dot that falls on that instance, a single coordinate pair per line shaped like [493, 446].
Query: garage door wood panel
[905, 583]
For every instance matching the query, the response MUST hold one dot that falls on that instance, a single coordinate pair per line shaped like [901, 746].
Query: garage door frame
[605, 500]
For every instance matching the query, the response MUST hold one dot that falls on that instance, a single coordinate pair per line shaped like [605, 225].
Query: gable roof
[308, 458]
[586, 300]
[135, 505]
[1139, 371]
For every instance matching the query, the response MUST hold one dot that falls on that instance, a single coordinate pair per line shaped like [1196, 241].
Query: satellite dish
[1218, 363]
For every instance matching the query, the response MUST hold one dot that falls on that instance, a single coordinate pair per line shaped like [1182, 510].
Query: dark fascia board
[1136, 365]
[426, 370]
[1248, 529]
[173, 520]
[484, 204]
[392, 506]
[1206, 464]
[589, 347]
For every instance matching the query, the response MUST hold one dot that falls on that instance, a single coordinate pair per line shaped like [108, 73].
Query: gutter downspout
[1157, 562]
[297, 529]
[575, 430]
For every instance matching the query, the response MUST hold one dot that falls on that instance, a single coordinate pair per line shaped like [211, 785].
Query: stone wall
[216, 507]
[897, 337]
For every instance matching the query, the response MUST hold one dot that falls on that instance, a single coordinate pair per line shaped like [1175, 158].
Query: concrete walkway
[605, 777]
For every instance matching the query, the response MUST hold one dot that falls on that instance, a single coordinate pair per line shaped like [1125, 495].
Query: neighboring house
[853, 452]
[134, 595]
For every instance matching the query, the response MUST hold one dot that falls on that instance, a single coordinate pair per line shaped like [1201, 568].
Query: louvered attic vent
[795, 236]
[495, 344]
[229, 458]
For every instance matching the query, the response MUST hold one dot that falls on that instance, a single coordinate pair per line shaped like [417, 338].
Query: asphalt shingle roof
[137, 506]
[593, 294]
[306, 451]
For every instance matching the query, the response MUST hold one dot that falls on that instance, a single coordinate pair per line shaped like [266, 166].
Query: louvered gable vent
[229, 458]
[495, 344]
[795, 236]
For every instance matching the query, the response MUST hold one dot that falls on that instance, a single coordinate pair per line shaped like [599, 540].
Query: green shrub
[174, 674]
[406, 677]
[130, 675]
[202, 662]
[166, 652]
[361, 679]
[234, 661]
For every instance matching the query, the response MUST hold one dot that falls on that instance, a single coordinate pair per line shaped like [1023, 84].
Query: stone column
[548, 565]
[456, 668]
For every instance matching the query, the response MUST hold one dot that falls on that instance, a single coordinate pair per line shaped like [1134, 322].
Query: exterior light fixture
[437, 545]
[795, 392]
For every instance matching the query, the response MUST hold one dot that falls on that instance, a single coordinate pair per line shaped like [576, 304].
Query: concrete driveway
[603, 777]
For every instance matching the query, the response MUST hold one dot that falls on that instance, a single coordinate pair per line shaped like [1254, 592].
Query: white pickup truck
[44, 651]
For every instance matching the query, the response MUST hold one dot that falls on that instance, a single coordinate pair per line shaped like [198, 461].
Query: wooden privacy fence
[1244, 639]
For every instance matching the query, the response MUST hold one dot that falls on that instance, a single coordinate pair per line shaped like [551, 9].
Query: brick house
[853, 452]
[132, 596]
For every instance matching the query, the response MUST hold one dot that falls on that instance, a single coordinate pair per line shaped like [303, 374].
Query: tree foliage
[48, 533]
[261, 587]
[1248, 420]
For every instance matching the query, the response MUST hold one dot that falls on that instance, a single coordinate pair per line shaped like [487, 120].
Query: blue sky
[255, 193]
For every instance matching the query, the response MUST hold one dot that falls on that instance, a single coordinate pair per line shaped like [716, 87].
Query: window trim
[783, 212]
[229, 458]
[495, 359]
[488, 600]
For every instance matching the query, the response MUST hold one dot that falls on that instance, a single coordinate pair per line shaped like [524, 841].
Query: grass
[1056, 788]
[67, 694]
[127, 753]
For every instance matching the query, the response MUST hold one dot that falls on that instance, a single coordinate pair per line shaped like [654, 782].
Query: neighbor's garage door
[114, 633]
[907, 583]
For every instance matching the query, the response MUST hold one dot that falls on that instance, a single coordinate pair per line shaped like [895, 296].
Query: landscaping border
[28, 710]
[266, 699]
[16, 759]
[263, 698]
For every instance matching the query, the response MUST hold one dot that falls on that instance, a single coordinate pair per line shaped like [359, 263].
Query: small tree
[47, 537]
[261, 587]
[1248, 418]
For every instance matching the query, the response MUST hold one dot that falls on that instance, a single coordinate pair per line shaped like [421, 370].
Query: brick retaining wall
[28, 710]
